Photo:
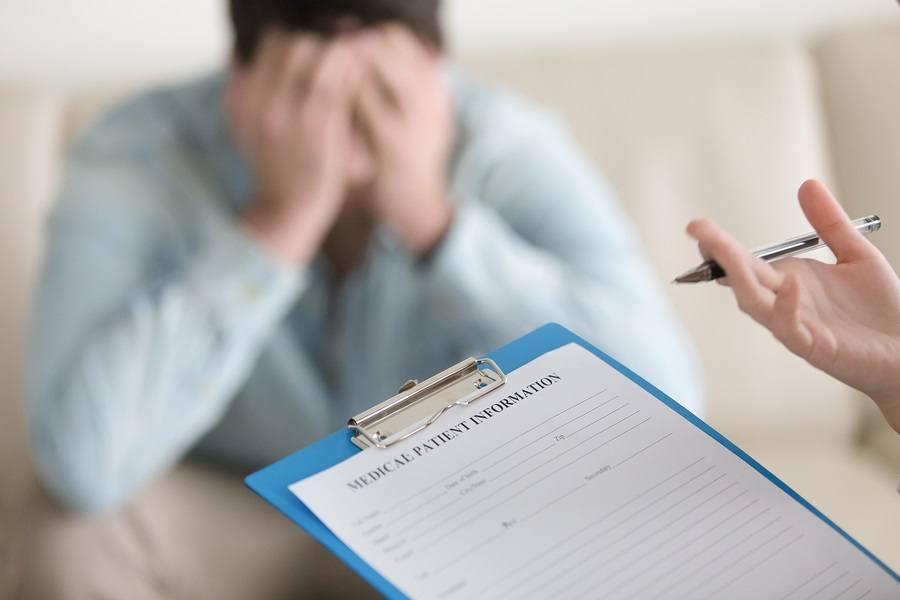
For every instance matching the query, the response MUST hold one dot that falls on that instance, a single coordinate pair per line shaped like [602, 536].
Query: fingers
[334, 76]
[752, 280]
[832, 224]
[786, 323]
[280, 99]
[301, 55]
[267, 66]
[393, 51]
[390, 80]
[404, 41]
[377, 114]
[291, 70]
[767, 274]
[400, 62]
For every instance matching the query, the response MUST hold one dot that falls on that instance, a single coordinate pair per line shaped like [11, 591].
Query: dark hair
[251, 18]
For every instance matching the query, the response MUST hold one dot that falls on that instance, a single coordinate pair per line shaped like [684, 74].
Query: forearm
[137, 390]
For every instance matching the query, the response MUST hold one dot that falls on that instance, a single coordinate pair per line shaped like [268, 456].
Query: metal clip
[418, 405]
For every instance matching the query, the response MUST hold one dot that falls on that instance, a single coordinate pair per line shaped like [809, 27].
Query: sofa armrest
[30, 150]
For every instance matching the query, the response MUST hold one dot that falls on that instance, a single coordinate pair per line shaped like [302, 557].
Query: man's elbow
[89, 499]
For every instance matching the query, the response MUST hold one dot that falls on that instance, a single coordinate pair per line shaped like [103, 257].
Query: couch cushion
[196, 532]
[721, 130]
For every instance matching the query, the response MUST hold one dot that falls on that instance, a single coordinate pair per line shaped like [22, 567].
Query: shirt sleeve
[139, 338]
[545, 241]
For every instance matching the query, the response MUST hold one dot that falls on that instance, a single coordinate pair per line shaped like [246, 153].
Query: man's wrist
[890, 408]
[290, 237]
[424, 233]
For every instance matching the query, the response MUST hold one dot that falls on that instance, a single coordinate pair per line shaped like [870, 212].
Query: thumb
[832, 224]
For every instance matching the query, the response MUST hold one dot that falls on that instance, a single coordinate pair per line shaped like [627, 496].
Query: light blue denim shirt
[161, 329]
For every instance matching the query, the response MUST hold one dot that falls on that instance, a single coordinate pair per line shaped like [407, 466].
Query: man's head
[251, 18]
[361, 73]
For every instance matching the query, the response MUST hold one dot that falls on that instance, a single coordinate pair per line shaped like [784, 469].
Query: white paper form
[571, 481]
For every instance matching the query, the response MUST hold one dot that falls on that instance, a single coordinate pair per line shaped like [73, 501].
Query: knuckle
[748, 304]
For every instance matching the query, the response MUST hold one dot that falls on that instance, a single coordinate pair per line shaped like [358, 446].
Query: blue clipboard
[272, 482]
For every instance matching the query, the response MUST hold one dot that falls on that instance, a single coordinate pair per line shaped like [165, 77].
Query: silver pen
[710, 270]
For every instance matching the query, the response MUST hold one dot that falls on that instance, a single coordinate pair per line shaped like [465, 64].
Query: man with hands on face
[355, 129]
[237, 264]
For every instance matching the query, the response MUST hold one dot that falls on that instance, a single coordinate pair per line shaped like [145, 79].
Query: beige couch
[718, 128]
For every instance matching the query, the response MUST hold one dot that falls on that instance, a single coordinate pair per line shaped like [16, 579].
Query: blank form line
[601, 405]
[705, 549]
[584, 441]
[454, 500]
[440, 509]
[591, 397]
[597, 521]
[671, 506]
[826, 586]
[678, 549]
[573, 461]
[525, 460]
[543, 435]
[681, 547]
[734, 547]
[531, 485]
[582, 428]
[594, 539]
[610, 544]
[808, 581]
[647, 447]
[523, 519]
[509, 441]
[735, 561]
[414, 511]
[692, 510]
[568, 464]
[845, 590]
[863, 595]
[552, 502]
[463, 555]
[764, 559]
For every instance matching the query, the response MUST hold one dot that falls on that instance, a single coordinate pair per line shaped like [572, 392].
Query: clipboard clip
[418, 405]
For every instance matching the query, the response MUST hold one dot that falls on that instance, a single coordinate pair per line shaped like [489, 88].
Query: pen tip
[694, 276]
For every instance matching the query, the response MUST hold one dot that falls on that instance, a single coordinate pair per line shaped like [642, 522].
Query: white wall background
[75, 43]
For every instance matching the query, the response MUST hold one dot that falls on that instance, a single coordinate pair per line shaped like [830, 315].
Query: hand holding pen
[842, 318]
